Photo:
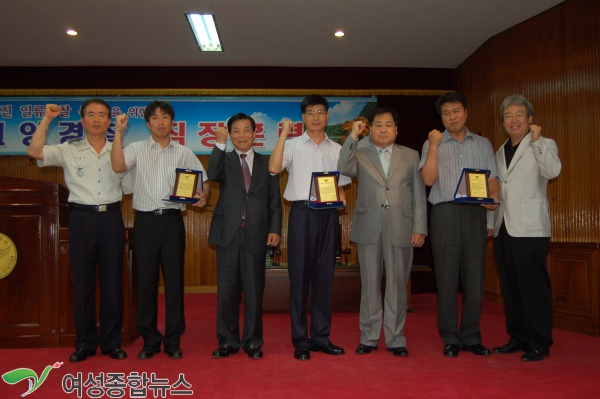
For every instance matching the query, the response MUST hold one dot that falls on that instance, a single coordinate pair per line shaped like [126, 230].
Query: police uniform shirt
[88, 175]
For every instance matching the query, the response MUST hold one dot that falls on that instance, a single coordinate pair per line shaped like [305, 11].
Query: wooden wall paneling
[574, 275]
[492, 286]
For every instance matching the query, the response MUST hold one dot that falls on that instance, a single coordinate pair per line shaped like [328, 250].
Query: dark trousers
[160, 241]
[526, 288]
[458, 243]
[312, 243]
[96, 243]
[240, 270]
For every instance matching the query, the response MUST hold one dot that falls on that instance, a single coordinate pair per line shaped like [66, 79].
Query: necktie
[246, 172]
[385, 162]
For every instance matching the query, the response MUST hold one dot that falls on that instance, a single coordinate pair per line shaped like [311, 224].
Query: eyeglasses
[318, 113]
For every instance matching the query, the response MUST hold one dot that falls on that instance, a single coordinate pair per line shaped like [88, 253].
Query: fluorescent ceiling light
[205, 30]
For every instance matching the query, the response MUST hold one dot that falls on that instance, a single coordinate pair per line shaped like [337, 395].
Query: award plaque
[473, 187]
[186, 185]
[324, 192]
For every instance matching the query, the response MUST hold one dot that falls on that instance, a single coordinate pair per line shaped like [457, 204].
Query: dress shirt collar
[86, 145]
[389, 148]
[249, 154]
[249, 157]
[152, 143]
[448, 136]
[305, 138]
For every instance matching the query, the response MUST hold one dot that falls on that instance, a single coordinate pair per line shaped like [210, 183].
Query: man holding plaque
[96, 238]
[313, 234]
[246, 220]
[158, 226]
[458, 230]
[390, 218]
[526, 161]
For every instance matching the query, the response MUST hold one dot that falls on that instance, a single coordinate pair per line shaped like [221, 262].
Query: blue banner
[196, 119]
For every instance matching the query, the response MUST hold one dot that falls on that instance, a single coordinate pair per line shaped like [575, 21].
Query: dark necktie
[246, 172]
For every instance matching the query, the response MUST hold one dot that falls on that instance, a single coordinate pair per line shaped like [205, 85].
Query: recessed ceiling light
[205, 31]
[71, 32]
[339, 33]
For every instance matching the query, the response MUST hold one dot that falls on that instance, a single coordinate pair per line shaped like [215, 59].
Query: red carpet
[571, 371]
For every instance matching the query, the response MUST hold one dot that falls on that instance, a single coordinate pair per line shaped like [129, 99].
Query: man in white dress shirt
[158, 226]
[312, 234]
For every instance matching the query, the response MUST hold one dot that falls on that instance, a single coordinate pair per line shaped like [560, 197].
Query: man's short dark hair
[381, 111]
[162, 105]
[93, 101]
[314, 99]
[452, 97]
[240, 116]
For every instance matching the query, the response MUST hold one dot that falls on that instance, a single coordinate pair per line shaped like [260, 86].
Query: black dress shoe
[81, 354]
[116, 353]
[302, 353]
[329, 349]
[363, 349]
[477, 349]
[399, 351]
[535, 355]
[174, 352]
[254, 352]
[451, 350]
[508, 348]
[224, 351]
[148, 351]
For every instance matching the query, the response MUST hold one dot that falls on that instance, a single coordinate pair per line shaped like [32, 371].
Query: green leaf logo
[17, 375]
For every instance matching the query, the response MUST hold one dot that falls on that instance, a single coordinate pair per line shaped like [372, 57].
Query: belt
[94, 208]
[161, 211]
[305, 202]
[242, 224]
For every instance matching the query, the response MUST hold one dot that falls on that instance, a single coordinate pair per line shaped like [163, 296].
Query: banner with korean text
[196, 119]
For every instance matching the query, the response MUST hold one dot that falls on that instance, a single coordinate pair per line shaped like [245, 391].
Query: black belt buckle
[158, 212]
[94, 208]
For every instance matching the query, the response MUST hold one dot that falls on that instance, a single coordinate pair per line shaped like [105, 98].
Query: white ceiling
[379, 33]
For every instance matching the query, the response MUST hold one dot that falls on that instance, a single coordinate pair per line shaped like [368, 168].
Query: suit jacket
[404, 191]
[523, 199]
[262, 203]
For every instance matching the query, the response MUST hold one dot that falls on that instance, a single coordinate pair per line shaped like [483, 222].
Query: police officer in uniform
[96, 238]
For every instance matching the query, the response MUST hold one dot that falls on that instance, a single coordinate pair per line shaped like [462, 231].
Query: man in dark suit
[246, 220]
[390, 218]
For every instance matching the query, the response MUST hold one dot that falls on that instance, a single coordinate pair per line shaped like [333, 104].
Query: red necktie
[246, 172]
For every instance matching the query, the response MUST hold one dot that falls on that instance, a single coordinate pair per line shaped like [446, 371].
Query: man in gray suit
[390, 218]
[246, 220]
